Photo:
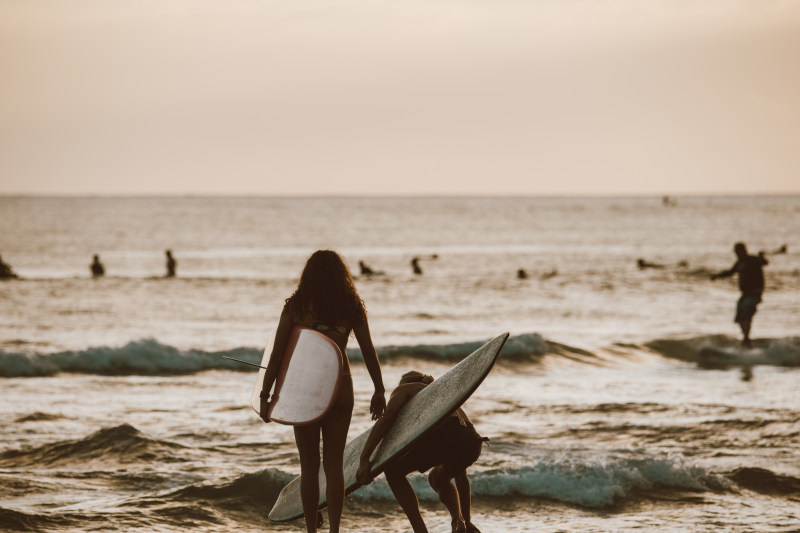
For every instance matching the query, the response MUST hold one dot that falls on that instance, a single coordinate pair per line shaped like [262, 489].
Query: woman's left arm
[278, 348]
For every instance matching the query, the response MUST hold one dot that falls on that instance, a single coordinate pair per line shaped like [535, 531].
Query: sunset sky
[404, 97]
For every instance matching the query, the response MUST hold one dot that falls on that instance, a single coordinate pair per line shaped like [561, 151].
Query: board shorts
[455, 445]
[746, 307]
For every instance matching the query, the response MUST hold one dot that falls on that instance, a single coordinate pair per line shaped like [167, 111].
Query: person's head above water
[326, 288]
[416, 377]
[740, 249]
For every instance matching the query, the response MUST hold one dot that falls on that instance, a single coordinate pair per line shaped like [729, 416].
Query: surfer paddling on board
[326, 300]
[751, 283]
[450, 449]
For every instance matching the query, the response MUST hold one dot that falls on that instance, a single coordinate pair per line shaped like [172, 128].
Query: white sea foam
[594, 482]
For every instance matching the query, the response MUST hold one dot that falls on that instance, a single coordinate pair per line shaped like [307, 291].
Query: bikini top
[324, 327]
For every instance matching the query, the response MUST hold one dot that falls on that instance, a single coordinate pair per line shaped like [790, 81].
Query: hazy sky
[399, 97]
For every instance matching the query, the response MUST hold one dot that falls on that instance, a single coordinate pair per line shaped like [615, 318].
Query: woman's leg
[334, 438]
[307, 439]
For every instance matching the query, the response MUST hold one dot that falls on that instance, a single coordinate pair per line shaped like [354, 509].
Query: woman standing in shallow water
[326, 300]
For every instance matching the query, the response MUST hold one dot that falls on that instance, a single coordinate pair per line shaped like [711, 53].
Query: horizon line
[395, 195]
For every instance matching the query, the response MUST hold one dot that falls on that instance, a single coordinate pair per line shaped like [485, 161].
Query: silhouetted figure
[643, 264]
[521, 274]
[367, 271]
[751, 283]
[97, 267]
[667, 201]
[449, 450]
[326, 300]
[6, 272]
[171, 264]
[415, 266]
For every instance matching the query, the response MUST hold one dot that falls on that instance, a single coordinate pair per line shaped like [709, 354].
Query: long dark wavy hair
[326, 290]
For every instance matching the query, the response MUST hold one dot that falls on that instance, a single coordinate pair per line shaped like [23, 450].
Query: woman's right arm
[275, 358]
[378, 403]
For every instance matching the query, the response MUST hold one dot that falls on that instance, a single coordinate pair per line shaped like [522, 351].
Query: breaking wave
[150, 358]
[586, 482]
[776, 352]
[145, 357]
[590, 483]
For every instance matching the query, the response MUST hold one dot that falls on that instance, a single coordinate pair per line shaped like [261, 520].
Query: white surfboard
[307, 381]
[422, 414]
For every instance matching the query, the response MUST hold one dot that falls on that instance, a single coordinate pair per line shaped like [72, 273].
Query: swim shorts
[455, 445]
[746, 307]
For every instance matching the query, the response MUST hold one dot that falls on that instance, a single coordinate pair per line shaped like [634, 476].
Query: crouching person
[448, 451]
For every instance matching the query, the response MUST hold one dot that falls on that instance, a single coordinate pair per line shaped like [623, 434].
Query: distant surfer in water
[415, 266]
[171, 264]
[365, 269]
[326, 300]
[643, 264]
[97, 267]
[449, 450]
[368, 271]
[751, 283]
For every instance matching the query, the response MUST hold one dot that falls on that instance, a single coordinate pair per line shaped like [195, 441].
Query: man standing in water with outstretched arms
[751, 283]
[450, 449]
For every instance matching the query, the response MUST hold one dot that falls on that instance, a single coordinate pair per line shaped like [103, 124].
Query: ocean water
[119, 413]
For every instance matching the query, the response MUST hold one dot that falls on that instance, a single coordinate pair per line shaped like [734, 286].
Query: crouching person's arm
[397, 400]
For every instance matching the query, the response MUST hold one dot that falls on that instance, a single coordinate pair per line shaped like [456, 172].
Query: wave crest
[775, 352]
[765, 481]
[149, 357]
[122, 443]
[590, 482]
[258, 489]
[146, 357]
